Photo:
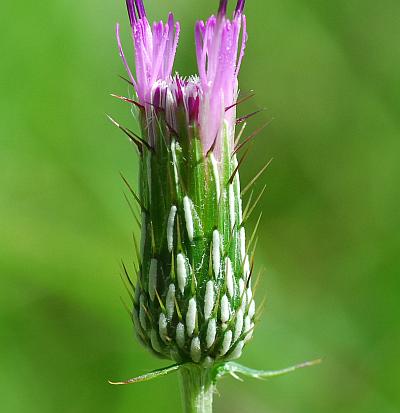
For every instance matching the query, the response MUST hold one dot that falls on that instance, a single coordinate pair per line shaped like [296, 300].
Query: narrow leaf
[233, 368]
[149, 376]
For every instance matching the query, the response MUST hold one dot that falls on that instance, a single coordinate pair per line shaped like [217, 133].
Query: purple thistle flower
[193, 300]
[204, 98]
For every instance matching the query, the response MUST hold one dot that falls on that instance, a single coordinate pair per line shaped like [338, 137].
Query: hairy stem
[197, 389]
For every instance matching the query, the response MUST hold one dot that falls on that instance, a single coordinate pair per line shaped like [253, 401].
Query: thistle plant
[193, 300]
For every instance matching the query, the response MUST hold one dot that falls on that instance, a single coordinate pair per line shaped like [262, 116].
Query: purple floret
[204, 98]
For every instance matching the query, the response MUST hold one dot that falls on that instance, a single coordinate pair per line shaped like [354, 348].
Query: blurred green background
[328, 73]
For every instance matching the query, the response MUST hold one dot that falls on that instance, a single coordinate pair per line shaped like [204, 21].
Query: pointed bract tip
[112, 120]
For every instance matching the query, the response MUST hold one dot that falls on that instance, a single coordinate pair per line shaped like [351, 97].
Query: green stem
[197, 388]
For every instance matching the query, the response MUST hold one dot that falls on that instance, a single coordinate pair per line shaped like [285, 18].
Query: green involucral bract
[193, 299]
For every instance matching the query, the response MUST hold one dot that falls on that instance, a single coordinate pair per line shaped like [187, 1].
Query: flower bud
[193, 299]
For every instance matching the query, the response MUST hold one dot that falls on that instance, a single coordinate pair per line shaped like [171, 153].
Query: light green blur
[328, 74]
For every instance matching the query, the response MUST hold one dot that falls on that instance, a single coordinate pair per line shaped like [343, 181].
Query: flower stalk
[197, 389]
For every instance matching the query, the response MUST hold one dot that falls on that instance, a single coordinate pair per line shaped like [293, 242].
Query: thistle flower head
[193, 299]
